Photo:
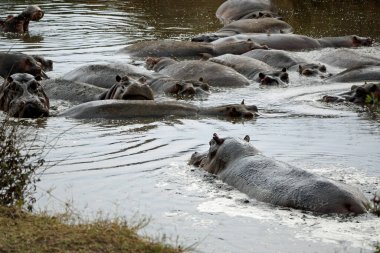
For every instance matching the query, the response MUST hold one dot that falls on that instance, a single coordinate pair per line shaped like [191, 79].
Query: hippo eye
[33, 86]
[322, 68]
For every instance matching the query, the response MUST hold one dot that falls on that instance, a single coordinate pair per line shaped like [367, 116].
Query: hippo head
[221, 152]
[45, 65]
[361, 41]
[262, 14]
[21, 95]
[313, 69]
[241, 111]
[359, 94]
[28, 65]
[33, 12]
[190, 89]
[127, 88]
[158, 63]
[276, 78]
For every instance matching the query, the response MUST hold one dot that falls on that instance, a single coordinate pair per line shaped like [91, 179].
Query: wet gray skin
[128, 88]
[173, 48]
[127, 109]
[180, 89]
[253, 69]
[296, 42]
[22, 96]
[263, 25]
[357, 74]
[12, 63]
[348, 58]
[241, 165]
[212, 73]
[103, 75]
[282, 59]
[239, 9]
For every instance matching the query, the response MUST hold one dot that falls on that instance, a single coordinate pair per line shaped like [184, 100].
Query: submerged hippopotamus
[126, 109]
[357, 74]
[359, 94]
[348, 58]
[216, 75]
[22, 96]
[127, 88]
[264, 25]
[244, 9]
[253, 69]
[282, 59]
[296, 42]
[20, 23]
[173, 48]
[103, 75]
[12, 63]
[241, 165]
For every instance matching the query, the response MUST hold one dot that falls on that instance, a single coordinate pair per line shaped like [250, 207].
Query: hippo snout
[33, 110]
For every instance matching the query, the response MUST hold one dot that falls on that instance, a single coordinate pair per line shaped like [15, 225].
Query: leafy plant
[19, 165]
[372, 103]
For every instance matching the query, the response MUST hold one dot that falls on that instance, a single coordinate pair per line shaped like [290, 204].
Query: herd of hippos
[254, 45]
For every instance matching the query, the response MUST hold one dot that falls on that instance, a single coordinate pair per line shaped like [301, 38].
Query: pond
[139, 168]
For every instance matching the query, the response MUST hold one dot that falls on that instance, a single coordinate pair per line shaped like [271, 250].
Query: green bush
[19, 165]
[372, 103]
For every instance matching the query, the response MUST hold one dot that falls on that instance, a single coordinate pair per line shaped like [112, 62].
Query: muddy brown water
[139, 168]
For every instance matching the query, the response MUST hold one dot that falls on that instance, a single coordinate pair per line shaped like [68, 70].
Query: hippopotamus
[126, 109]
[253, 69]
[244, 9]
[45, 64]
[296, 42]
[11, 63]
[357, 74]
[103, 75]
[282, 59]
[20, 23]
[347, 58]
[239, 164]
[22, 96]
[216, 75]
[128, 88]
[359, 94]
[173, 48]
[77, 92]
[264, 25]
[180, 88]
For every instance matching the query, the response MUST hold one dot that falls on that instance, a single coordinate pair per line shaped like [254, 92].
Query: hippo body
[103, 75]
[282, 59]
[296, 42]
[264, 25]
[214, 74]
[21, 95]
[241, 165]
[252, 69]
[232, 10]
[347, 58]
[173, 48]
[357, 74]
[12, 63]
[126, 109]
[20, 23]
[358, 94]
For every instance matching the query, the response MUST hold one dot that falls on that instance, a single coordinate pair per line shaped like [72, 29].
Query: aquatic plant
[372, 103]
[20, 167]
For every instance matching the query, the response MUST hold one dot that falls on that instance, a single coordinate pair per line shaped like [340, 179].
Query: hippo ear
[249, 40]
[118, 78]
[247, 138]
[300, 68]
[261, 75]
[283, 69]
[200, 79]
[142, 79]
[218, 140]
[38, 78]
[9, 79]
[242, 102]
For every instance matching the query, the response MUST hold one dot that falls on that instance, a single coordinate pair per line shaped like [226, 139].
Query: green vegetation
[375, 207]
[23, 231]
[372, 104]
